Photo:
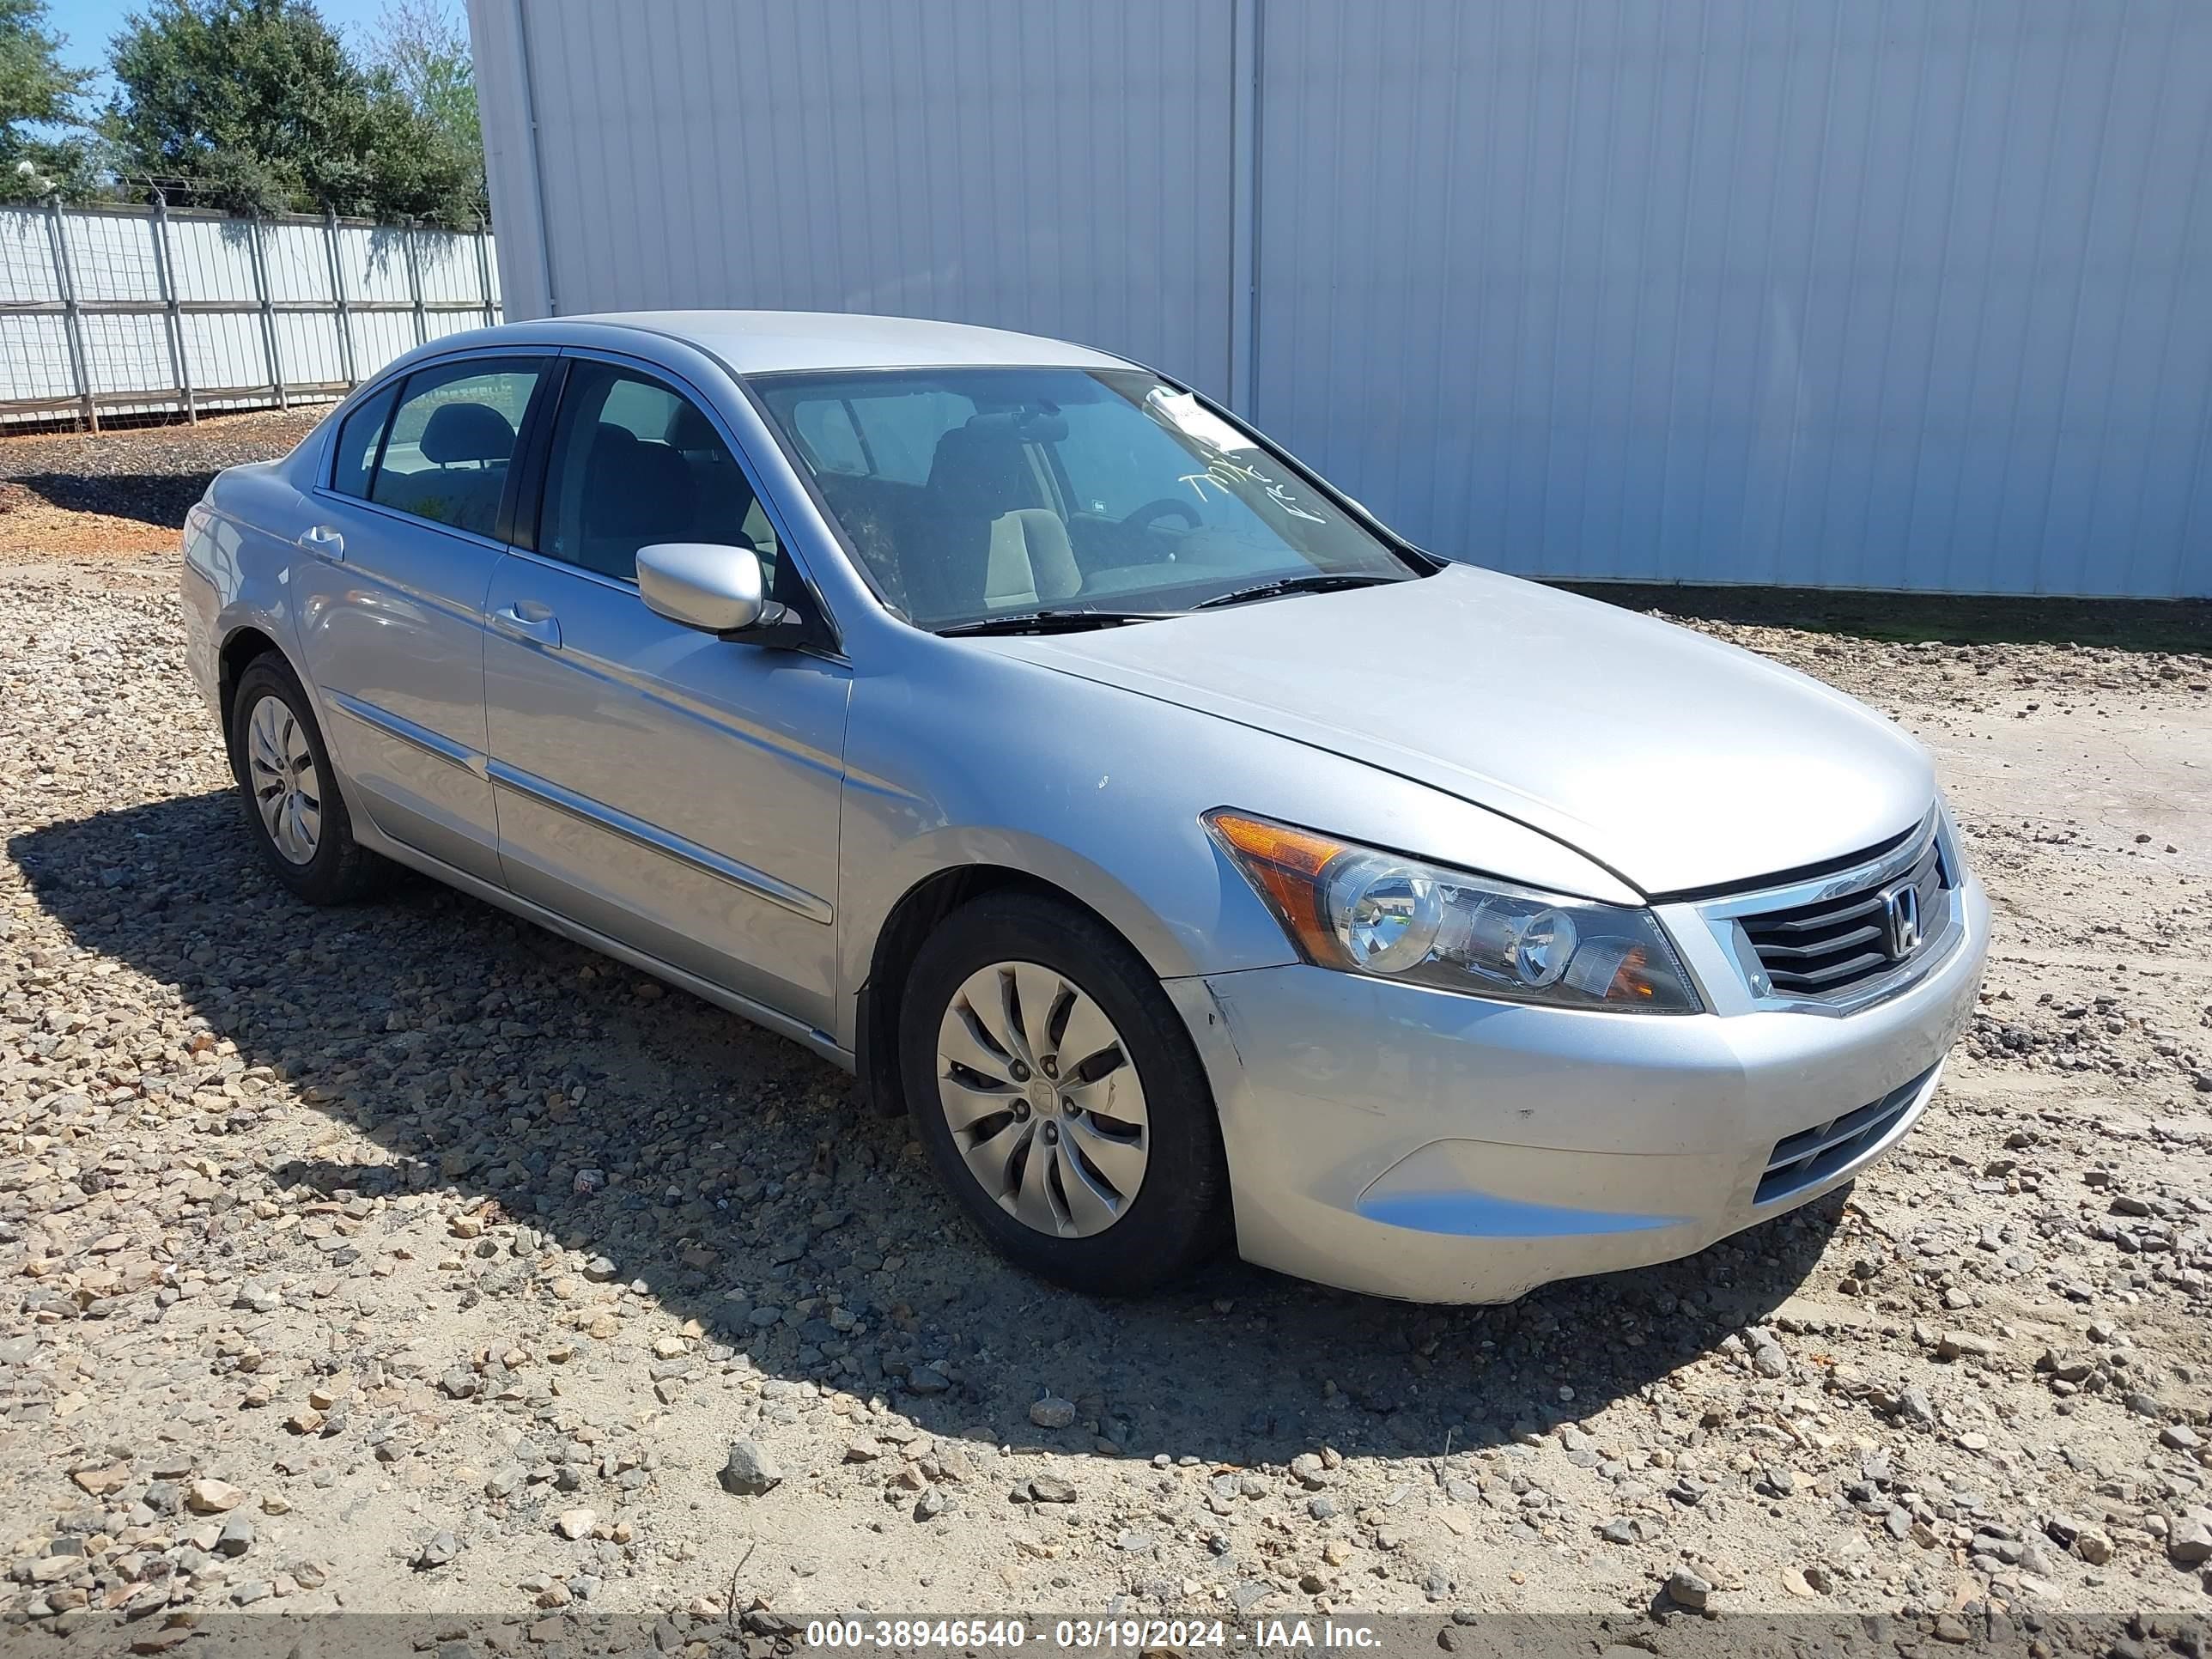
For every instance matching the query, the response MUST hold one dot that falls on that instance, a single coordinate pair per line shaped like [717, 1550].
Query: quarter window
[635, 462]
[453, 436]
[358, 437]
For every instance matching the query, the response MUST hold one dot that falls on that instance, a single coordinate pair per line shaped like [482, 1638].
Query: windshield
[974, 493]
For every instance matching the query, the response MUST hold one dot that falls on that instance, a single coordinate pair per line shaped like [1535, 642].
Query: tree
[256, 106]
[37, 90]
[420, 56]
[424, 47]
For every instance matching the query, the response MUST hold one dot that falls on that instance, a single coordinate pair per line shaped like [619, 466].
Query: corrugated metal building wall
[1853, 293]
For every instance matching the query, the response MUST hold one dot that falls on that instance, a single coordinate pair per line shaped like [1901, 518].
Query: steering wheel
[1143, 516]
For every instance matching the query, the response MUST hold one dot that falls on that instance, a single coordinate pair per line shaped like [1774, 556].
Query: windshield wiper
[1051, 621]
[1314, 584]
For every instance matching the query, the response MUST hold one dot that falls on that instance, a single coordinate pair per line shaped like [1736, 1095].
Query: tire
[288, 747]
[1128, 1213]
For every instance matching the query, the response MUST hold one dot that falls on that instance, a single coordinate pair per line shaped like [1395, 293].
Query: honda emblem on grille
[1900, 918]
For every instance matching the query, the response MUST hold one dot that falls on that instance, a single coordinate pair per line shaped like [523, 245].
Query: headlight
[1364, 911]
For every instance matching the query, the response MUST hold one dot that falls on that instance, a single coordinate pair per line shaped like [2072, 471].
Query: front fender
[957, 756]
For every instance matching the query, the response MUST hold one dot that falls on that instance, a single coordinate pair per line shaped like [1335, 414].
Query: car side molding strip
[758, 883]
[416, 737]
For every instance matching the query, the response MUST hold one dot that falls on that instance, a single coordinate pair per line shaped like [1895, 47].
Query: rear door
[404, 539]
[671, 790]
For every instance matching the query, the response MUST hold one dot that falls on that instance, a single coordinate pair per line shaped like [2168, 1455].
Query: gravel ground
[125, 491]
[411, 1259]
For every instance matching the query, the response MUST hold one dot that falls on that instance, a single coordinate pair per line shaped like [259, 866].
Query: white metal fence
[132, 310]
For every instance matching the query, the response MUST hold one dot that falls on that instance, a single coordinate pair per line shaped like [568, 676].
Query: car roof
[775, 342]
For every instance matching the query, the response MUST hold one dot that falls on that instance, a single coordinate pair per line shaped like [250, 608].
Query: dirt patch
[2171, 625]
[33, 527]
[120, 494]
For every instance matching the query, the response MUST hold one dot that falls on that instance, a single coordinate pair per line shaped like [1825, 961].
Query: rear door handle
[321, 539]
[544, 630]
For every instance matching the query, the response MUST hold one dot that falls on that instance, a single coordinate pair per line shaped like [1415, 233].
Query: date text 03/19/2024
[1108, 1635]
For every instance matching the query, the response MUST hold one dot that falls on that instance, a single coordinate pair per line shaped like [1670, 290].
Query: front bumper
[1413, 1143]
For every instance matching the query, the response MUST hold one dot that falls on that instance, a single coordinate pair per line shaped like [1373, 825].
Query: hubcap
[287, 792]
[1041, 1099]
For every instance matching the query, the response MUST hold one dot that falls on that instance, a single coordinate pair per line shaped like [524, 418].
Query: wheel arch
[240, 648]
[910, 921]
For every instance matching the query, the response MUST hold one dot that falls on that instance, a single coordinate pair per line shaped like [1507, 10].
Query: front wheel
[1061, 1098]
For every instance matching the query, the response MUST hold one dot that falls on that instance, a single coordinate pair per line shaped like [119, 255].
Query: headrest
[611, 443]
[981, 466]
[466, 432]
[691, 430]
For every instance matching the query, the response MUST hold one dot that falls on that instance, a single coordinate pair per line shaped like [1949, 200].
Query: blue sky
[90, 24]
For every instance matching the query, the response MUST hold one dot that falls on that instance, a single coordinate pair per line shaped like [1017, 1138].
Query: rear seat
[468, 446]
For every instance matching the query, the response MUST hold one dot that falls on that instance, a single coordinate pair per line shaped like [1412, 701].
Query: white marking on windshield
[1182, 411]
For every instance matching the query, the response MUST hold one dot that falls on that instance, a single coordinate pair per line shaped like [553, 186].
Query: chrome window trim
[1721, 917]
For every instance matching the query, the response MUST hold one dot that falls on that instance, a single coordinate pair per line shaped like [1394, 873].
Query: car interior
[464, 448]
[996, 524]
[648, 468]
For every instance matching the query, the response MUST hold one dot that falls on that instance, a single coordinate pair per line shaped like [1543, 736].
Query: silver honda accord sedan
[1192, 858]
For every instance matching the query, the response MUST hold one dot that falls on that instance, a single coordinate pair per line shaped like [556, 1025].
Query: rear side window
[452, 437]
[358, 438]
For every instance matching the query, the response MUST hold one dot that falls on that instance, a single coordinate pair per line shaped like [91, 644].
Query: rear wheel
[1060, 1098]
[290, 794]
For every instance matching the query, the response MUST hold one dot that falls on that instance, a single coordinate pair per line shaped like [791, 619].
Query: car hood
[1676, 761]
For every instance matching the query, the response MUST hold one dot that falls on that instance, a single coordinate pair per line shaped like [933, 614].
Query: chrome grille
[1840, 940]
[1813, 1155]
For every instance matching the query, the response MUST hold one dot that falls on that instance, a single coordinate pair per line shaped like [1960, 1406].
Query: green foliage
[37, 90]
[255, 106]
[422, 47]
[425, 84]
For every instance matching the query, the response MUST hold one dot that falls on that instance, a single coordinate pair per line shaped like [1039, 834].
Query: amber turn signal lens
[1631, 980]
[1284, 864]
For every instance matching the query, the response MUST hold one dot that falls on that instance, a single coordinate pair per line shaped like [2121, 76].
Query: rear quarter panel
[238, 554]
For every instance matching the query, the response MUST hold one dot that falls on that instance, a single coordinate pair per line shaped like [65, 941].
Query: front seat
[635, 494]
[996, 546]
[1031, 559]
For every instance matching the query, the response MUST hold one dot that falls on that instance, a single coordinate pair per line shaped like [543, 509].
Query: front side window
[452, 437]
[968, 494]
[635, 462]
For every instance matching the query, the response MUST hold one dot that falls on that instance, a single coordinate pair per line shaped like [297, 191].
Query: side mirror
[705, 586]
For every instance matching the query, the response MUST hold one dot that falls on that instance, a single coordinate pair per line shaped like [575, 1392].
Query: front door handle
[544, 630]
[321, 539]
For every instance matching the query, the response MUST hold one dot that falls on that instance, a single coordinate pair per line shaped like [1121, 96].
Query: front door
[390, 603]
[673, 791]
